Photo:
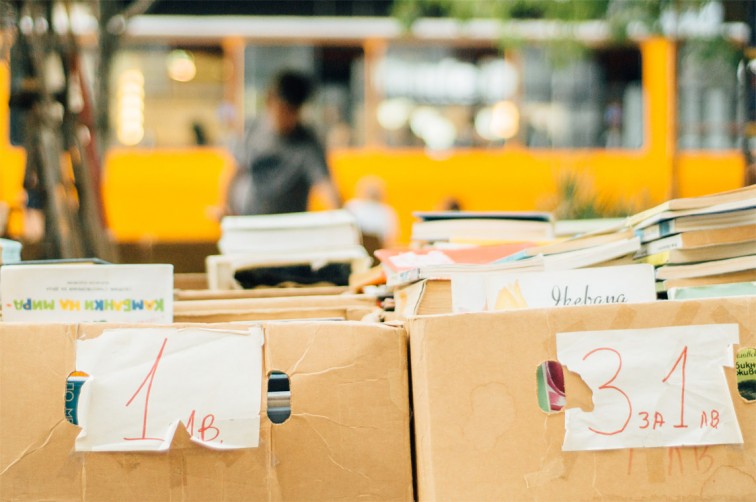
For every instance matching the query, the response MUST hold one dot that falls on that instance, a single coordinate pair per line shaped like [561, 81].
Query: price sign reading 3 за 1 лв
[146, 381]
[651, 387]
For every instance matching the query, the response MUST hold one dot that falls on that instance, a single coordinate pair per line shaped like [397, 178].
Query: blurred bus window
[161, 93]
[594, 100]
[443, 97]
[709, 108]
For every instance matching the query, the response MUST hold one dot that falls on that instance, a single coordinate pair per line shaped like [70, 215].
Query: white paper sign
[143, 382]
[651, 387]
[565, 288]
[87, 293]
[468, 293]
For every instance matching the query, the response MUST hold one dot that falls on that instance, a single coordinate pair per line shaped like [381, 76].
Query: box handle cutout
[74, 382]
[279, 397]
[550, 386]
[745, 363]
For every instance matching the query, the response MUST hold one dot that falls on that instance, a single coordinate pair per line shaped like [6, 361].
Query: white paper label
[651, 387]
[144, 382]
[587, 286]
[88, 293]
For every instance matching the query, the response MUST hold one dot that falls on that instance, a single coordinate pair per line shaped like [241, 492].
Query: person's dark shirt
[277, 172]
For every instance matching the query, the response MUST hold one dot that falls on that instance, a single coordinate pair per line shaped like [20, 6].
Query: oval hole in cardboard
[745, 362]
[279, 397]
[74, 381]
[550, 386]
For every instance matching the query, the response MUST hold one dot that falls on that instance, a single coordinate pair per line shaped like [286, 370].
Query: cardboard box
[347, 437]
[347, 307]
[190, 281]
[480, 434]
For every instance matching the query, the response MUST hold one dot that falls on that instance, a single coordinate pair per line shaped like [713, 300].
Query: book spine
[520, 255]
[661, 229]
[660, 245]
[656, 259]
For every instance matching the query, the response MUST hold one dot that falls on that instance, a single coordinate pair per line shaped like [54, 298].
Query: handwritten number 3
[608, 385]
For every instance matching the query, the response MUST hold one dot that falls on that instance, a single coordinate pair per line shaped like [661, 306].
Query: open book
[560, 261]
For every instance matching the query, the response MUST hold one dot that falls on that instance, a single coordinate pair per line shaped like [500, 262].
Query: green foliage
[577, 200]
[620, 15]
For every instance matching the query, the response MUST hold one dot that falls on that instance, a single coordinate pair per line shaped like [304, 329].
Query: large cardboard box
[480, 434]
[347, 437]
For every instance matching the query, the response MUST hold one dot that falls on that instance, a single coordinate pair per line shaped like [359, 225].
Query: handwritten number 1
[149, 378]
[608, 385]
[684, 358]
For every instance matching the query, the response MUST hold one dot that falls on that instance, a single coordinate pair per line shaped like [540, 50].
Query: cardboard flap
[331, 365]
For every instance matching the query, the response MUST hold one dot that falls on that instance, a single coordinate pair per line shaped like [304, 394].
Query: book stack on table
[314, 248]
[703, 246]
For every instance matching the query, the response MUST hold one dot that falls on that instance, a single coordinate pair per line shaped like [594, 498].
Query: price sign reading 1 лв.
[144, 382]
[651, 387]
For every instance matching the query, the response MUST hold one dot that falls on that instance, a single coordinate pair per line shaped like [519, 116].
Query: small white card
[651, 387]
[144, 383]
[87, 293]
[584, 286]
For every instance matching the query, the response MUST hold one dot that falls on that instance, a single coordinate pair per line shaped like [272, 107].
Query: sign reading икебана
[652, 387]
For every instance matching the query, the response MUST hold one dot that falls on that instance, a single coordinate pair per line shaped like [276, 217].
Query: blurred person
[450, 204]
[199, 134]
[280, 160]
[376, 220]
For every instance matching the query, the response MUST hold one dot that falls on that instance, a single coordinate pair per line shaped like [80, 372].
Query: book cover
[11, 251]
[725, 278]
[573, 244]
[484, 215]
[697, 255]
[713, 291]
[482, 230]
[700, 222]
[707, 211]
[404, 259]
[740, 263]
[87, 293]
[288, 232]
[731, 199]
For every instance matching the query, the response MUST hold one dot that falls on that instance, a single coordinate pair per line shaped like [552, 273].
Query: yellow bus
[632, 123]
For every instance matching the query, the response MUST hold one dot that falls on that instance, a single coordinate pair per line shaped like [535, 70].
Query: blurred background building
[496, 114]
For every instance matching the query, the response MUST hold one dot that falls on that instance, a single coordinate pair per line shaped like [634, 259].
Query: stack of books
[292, 249]
[701, 246]
[443, 242]
[11, 251]
[481, 228]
